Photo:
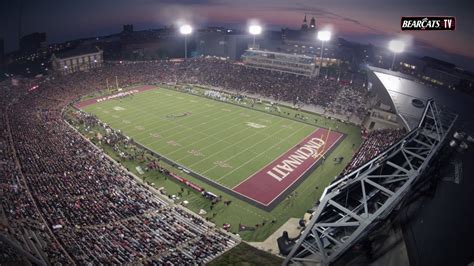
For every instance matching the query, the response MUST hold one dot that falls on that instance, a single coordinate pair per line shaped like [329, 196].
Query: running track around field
[114, 96]
[264, 188]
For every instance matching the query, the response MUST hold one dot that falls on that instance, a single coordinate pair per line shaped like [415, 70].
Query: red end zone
[113, 96]
[271, 181]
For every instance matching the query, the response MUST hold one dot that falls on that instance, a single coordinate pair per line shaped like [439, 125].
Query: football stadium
[163, 147]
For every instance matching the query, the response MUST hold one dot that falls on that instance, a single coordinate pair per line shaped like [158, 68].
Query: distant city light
[396, 46]
[255, 29]
[185, 29]
[324, 35]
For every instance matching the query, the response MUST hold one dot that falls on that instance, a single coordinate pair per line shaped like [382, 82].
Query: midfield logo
[428, 23]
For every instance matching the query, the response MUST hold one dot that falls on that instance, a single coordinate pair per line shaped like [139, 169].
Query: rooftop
[80, 50]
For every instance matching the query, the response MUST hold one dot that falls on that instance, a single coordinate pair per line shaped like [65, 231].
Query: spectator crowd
[332, 96]
[374, 143]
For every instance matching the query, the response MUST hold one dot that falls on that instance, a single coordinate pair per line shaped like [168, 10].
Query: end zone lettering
[310, 149]
[121, 94]
[270, 182]
[428, 23]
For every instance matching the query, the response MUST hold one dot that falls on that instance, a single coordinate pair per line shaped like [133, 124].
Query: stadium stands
[375, 142]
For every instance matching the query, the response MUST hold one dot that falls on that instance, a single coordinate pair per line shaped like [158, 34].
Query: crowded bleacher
[64, 201]
[374, 143]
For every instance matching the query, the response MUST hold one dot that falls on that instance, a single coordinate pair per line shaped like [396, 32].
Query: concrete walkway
[270, 244]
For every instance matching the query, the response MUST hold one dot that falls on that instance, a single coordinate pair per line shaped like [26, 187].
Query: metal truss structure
[350, 207]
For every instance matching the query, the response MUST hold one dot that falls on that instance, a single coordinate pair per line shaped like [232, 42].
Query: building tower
[304, 26]
[312, 24]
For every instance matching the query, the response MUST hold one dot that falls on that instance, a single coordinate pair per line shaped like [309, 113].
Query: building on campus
[311, 26]
[78, 59]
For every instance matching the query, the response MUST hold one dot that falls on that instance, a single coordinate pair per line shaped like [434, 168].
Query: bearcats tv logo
[428, 23]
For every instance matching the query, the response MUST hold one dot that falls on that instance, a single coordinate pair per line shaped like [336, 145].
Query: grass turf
[223, 142]
[198, 124]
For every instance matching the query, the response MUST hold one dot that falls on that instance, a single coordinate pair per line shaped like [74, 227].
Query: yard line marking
[258, 155]
[150, 102]
[192, 133]
[131, 127]
[218, 133]
[236, 143]
[177, 125]
[140, 110]
[193, 129]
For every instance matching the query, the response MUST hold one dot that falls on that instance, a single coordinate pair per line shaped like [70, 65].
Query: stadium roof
[77, 51]
[403, 94]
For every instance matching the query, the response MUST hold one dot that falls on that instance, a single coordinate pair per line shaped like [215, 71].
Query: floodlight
[255, 29]
[185, 29]
[396, 46]
[324, 35]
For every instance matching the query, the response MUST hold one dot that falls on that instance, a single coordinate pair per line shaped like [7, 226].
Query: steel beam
[351, 206]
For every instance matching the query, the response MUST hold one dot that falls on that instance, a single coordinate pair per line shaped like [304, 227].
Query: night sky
[365, 21]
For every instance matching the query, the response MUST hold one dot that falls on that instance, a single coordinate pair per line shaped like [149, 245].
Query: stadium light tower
[323, 36]
[396, 46]
[185, 29]
[255, 30]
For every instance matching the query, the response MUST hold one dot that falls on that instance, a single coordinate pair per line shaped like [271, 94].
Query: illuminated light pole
[396, 46]
[323, 36]
[255, 30]
[185, 30]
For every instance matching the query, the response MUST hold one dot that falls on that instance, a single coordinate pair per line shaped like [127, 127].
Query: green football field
[221, 141]
[215, 139]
